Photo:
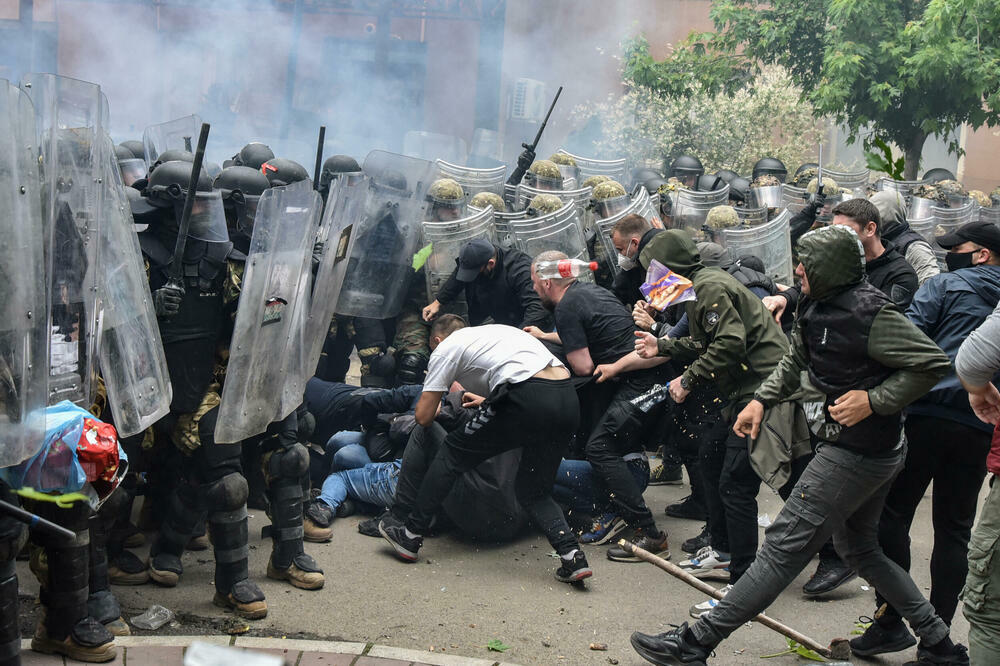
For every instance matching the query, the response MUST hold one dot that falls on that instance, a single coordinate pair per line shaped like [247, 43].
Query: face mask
[957, 260]
[626, 263]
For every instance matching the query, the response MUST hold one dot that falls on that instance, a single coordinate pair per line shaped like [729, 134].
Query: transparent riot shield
[269, 315]
[447, 239]
[70, 117]
[501, 224]
[525, 193]
[24, 333]
[770, 242]
[559, 230]
[588, 166]
[386, 236]
[431, 146]
[177, 134]
[691, 207]
[474, 181]
[132, 360]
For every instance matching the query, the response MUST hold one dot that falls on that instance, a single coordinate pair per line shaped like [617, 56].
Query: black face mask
[957, 260]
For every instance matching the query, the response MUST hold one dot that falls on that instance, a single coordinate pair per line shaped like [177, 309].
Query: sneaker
[882, 638]
[666, 475]
[696, 543]
[698, 610]
[316, 520]
[655, 543]
[347, 508]
[830, 574]
[369, 527]
[575, 570]
[954, 655]
[688, 509]
[393, 531]
[605, 528]
[669, 647]
[707, 564]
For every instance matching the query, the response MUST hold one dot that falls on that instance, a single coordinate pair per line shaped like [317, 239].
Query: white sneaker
[707, 564]
[700, 609]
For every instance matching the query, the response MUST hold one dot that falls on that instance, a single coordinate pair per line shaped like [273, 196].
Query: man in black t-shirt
[597, 335]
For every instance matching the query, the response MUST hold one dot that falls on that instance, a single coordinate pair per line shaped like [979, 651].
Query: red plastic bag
[97, 450]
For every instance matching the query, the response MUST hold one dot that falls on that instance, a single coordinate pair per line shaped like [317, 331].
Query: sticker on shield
[273, 310]
[343, 243]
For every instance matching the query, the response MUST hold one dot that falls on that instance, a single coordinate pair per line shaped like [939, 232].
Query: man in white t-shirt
[524, 399]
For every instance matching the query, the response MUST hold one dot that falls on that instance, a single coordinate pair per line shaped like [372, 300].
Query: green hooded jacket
[734, 342]
[834, 260]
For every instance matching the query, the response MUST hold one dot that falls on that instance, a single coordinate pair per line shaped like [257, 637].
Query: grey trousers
[840, 493]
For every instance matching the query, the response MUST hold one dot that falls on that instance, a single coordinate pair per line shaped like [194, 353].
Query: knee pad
[289, 463]
[411, 368]
[228, 493]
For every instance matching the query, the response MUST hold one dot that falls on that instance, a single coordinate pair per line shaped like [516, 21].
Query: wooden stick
[705, 588]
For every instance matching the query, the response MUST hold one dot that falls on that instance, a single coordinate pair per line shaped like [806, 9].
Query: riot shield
[447, 239]
[70, 117]
[132, 360]
[177, 134]
[24, 338]
[277, 268]
[588, 166]
[770, 242]
[559, 230]
[606, 225]
[386, 236]
[474, 181]
[691, 207]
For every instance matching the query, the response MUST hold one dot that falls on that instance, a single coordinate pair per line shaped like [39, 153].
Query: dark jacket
[627, 283]
[849, 336]
[948, 307]
[734, 342]
[506, 296]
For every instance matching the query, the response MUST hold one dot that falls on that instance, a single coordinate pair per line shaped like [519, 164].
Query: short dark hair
[447, 324]
[861, 212]
[632, 225]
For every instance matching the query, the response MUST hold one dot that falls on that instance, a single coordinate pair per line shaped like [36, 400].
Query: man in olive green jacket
[733, 345]
[870, 362]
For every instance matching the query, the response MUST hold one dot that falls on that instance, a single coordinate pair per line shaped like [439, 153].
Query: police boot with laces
[677, 646]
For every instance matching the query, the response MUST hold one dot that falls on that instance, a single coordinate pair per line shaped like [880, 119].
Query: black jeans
[731, 488]
[953, 455]
[539, 415]
[615, 435]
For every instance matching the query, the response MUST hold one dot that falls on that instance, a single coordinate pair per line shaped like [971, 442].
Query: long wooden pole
[835, 651]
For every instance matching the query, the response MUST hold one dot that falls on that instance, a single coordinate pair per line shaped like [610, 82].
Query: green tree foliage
[893, 70]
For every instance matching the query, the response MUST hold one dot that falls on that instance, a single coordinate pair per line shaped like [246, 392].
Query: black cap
[472, 258]
[986, 234]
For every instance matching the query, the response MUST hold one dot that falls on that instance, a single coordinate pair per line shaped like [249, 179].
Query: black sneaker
[655, 544]
[392, 530]
[319, 512]
[830, 574]
[572, 571]
[956, 655]
[688, 509]
[347, 508]
[696, 543]
[882, 639]
[669, 648]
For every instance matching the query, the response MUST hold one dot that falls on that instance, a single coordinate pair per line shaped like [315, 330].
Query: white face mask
[626, 263]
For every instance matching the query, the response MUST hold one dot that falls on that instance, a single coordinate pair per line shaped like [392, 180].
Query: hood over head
[833, 259]
[891, 210]
[675, 250]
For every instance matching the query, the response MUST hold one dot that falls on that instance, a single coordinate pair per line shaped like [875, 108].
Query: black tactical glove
[525, 159]
[816, 201]
[317, 254]
[167, 300]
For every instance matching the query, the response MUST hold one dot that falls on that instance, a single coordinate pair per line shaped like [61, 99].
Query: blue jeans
[373, 484]
[345, 451]
[578, 488]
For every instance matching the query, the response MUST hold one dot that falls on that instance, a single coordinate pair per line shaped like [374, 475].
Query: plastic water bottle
[564, 268]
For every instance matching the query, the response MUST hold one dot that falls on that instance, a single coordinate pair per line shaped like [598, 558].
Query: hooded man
[870, 362]
[733, 344]
[946, 443]
[896, 229]
[497, 285]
